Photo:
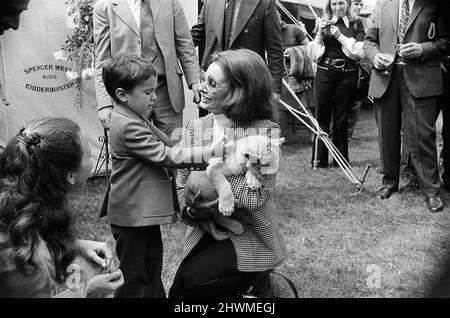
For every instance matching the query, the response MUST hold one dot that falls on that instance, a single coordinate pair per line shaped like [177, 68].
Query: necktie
[227, 24]
[148, 45]
[403, 21]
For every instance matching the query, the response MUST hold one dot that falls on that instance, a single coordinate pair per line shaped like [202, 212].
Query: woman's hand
[104, 284]
[334, 30]
[320, 24]
[95, 251]
[202, 210]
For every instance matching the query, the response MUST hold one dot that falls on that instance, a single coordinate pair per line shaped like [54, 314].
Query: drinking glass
[389, 64]
[401, 61]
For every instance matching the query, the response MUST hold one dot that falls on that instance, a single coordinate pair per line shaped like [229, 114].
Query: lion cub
[254, 156]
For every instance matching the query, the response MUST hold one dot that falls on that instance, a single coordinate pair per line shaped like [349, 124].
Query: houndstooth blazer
[260, 246]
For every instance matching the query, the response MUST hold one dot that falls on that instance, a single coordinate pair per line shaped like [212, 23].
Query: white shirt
[344, 18]
[135, 7]
[411, 4]
[350, 47]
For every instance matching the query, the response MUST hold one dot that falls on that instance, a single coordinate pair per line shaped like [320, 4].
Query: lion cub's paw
[226, 204]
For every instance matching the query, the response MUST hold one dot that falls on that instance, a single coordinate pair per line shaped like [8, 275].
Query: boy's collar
[124, 110]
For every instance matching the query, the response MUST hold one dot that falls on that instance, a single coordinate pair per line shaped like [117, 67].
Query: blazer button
[246, 31]
[192, 168]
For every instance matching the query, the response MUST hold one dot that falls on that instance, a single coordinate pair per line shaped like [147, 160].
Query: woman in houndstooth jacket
[237, 90]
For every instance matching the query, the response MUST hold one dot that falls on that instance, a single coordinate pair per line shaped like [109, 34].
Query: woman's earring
[71, 178]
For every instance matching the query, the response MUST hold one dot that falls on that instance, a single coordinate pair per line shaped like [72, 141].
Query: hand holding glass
[399, 47]
[388, 61]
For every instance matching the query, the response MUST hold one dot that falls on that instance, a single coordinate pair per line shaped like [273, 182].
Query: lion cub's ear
[275, 156]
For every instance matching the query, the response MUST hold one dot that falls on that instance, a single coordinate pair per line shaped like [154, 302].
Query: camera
[328, 25]
[326, 28]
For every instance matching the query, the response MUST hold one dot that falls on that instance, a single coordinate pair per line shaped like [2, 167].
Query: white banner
[36, 84]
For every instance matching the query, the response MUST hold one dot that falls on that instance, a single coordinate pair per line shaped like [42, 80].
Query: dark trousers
[444, 105]
[210, 270]
[140, 253]
[335, 91]
[397, 108]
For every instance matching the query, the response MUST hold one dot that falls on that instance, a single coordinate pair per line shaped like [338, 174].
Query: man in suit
[235, 24]
[158, 31]
[400, 98]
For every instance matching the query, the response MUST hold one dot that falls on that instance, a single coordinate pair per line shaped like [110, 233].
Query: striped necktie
[403, 21]
[227, 24]
[148, 45]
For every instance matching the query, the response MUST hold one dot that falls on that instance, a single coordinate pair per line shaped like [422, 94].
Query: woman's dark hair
[328, 13]
[251, 85]
[126, 71]
[33, 186]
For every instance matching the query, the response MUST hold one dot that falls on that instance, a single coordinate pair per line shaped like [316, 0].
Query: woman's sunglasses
[211, 84]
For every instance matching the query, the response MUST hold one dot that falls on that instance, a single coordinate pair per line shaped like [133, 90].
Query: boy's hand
[223, 149]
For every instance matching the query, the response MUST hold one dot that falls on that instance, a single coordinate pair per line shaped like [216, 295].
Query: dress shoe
[434, 204]
[409, 183]
[385, 192]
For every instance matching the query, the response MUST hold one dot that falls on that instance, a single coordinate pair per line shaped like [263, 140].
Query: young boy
[142, 195]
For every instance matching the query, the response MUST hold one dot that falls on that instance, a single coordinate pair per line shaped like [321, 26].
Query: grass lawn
[341, 244]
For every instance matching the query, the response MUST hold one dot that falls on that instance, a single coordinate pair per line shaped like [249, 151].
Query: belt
[338, 63]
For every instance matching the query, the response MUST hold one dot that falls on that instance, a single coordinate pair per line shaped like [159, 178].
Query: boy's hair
[126, 71]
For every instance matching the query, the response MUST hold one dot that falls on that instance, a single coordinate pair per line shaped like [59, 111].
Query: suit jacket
[141, 190]
[115, 32]
[260, 246]
[423, 76]
[256, 28]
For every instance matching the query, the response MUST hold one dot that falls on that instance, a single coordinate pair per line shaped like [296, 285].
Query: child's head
[131, 81]
[46, 158]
